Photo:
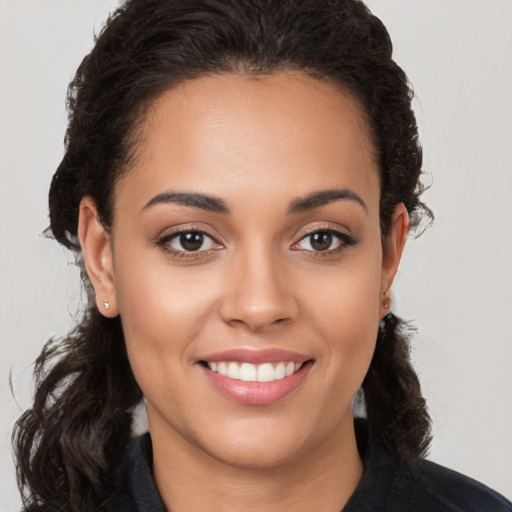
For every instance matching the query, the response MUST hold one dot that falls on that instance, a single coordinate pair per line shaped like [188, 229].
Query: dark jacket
[390, 483]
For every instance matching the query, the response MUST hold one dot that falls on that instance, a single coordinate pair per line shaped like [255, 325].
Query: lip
[256, 393]
[256, 356]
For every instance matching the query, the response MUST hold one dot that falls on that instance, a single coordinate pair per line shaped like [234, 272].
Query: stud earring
[106, 305]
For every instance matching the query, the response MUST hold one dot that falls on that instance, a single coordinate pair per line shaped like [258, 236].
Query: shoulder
[434, 487]
[394, 481]
[135, 489]
[42, 508]
[135, 486]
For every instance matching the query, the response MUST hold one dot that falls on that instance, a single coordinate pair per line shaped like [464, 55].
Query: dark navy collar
[390, 483]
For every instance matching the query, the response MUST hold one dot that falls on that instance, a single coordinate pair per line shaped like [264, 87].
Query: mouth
[256, 377]
[248, 372]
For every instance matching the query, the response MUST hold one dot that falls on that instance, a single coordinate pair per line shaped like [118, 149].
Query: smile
[248, 372]
[256, 377]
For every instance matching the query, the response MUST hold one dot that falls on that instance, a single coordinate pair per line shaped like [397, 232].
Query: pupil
[321, 241]
[191, 241]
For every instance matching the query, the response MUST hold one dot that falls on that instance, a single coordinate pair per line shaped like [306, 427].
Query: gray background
[455, 281]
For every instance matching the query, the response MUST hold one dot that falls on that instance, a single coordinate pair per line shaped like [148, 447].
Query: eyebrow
[323, 197]
[205, 202]
[217, 205]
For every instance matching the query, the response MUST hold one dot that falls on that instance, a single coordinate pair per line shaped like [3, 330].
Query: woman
[239, 181]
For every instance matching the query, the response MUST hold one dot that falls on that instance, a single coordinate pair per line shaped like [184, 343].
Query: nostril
[258, 308]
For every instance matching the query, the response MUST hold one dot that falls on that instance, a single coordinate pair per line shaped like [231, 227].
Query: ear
[97, 251]
[392, 253]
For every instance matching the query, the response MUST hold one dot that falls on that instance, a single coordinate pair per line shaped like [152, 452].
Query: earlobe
[392, 253]
[97, 252]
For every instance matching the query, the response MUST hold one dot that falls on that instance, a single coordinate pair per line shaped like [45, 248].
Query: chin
[268, 456]
[261, 444]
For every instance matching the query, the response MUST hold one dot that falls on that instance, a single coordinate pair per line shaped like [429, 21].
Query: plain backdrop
[455, 282]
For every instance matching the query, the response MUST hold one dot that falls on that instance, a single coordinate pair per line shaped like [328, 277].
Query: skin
[258, 145]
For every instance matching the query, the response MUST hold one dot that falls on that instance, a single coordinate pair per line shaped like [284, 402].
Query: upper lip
[256, 356]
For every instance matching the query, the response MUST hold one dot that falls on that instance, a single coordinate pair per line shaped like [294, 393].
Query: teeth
[266, 372]
[233, 371]
[280, 371]
[248, 372]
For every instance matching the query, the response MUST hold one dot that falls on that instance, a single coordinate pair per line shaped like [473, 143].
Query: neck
[322, 478]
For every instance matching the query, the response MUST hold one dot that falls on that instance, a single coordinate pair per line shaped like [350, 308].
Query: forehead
[237, 134]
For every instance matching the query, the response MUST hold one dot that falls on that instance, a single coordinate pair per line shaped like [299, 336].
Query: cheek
[347, 315]
[162, 313]
[161, 318]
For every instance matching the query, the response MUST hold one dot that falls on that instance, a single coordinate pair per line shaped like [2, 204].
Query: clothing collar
[137, 492]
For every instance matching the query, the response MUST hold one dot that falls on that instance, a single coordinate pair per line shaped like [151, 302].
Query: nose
[260, 296]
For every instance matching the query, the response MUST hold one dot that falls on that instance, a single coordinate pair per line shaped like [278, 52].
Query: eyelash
[344, 241]
[165, 241]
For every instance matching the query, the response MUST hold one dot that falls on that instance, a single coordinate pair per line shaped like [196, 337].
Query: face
[246, 263]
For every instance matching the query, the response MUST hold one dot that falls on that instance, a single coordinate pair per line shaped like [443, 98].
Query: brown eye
[324, 240]
[184, 242]
[321, 240]
[191, 241]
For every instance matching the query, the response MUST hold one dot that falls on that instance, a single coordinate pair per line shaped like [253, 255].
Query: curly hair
[68, 444]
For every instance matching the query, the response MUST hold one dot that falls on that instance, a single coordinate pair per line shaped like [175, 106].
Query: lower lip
[257, 393]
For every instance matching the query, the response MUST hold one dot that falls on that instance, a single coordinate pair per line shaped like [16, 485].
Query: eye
[189, 241]
[324, 240]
